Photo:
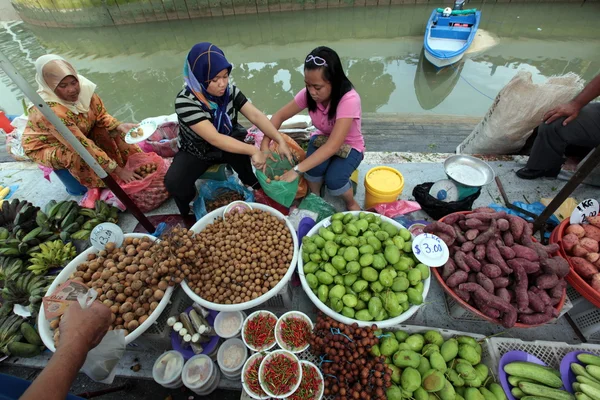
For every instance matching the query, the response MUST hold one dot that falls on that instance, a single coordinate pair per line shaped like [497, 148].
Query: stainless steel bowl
[468, 171]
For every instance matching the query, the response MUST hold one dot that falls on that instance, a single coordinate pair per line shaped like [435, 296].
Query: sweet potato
[508, 239]
[583, 267]
[501, 282]
[579, 251]
[440, 227]
[484, 217]
[525, 252]
[596, 282]
[576, 230]
[557, 292]
[484, 210]
[494, 256]
[491, 270]
[445, 238]
[452, 218]
[483, 228]
[459, 259]
[471, 234]
[484, 237]
[481, 306]
[504, 294]
[479, 252]
[592, 232]
[467, 247]
[466, 296]
[460, 238]
[542, 294]
[530, 267]
[556, 265]
[547, 281]
[550, 248]
[535, 303]
[590, 244]
[537, 318]
[485, 282]
[569, 241]
[473, 264]
[594, 220]
[526, 239]
[448, 269]
[522, 283]
[473, 223]
[517, 225]
[457, 278]
[472, 277]
[503, 225]
[507, 253]
[592, 257]
[509, 317]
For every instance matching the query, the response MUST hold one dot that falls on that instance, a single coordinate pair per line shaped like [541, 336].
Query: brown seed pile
[241, 258]
[223, 199]
[146, 169]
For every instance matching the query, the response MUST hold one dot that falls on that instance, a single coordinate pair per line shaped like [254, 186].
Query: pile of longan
[146, 169]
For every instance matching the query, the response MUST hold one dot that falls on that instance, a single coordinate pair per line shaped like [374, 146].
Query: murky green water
[138, 68]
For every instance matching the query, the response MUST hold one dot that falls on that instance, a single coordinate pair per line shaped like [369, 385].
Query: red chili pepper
[251, 377]
[280, 373]
[310, 386]
[260, 331]
[295, 332]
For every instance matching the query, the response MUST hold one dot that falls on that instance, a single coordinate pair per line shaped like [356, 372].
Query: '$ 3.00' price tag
[104, 233]
[430, 250]
[585, 209]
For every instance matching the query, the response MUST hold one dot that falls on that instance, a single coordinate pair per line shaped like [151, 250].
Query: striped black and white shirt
[189, 113]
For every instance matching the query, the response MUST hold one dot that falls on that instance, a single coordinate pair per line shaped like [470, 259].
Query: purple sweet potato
[508, 239]
[509, 313]
[501, 282]
[491, 270]
[535, 303]
[507, 253]
[517, 225]
[479, 252]
[526, 239]
[481, 306]
[486, 210]
[459, 259]
[503, 294]
[494, 256]
[472, 277]
[546, 281]
[473, 223]
[460, 238]
[525, 252]
[466, 296]
[485, 237]
[542, 294]
[503, 224]
[452, 219]
[471, 234]
[530, 267]
[483, 228]
[555, 265]
[448, 269]
[440, 227]
[457, 278]
[473, 264]
[522, 283]
[537, 318]
[445, 238]
[467, 247]
[557, 291]
[485, 282]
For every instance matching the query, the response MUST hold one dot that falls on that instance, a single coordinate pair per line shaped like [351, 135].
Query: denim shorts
[335, 171]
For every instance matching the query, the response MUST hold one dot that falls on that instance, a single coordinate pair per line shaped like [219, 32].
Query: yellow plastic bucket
[382, 185]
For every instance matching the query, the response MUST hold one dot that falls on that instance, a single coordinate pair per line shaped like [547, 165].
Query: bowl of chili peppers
[312, 385]
[293, 331]
[258, 330]
[280, 374]
[250, 377]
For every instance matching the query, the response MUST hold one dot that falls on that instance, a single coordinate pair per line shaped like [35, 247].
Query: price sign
[585, 209]
[430, 250]
[104, 233]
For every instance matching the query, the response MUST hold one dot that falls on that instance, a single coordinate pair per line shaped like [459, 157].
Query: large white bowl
[209, 219]
[386, 323]
[44, 326]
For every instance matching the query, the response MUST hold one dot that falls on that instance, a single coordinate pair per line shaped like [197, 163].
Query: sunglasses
[318, 61]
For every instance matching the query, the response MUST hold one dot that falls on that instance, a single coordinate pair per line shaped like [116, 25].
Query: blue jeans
[11, 388]
[335, 171]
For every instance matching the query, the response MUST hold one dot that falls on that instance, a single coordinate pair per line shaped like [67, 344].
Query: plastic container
[261, 372]
[229, 324]
[74, 188]
[257, 357]
[201, 375]
[252, 316]
[209, 348]
[382, 185]
[226, 358]
[167, 369]
[349, 321]
[464, 304]
[284, 317]
[508, 358]
[566, 374]
[319, 394]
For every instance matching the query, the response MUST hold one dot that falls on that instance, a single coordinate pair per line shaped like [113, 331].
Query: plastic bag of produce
[517, 110]
[163, 141]
[149, 192]
[282, 192]
[216, 191]
[437, 208]
[316, 204]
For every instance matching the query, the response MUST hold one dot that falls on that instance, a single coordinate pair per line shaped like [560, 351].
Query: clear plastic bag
[314, 203]
[211, 190]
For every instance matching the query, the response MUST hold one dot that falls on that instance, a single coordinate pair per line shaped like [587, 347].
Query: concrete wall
[87, 13]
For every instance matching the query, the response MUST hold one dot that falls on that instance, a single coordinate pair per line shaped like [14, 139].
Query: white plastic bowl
[217, 324]
[247, 364]
[319, 395]
[44, 326]
[250, 317]
[341, 318]
[263, 364]
[174, 381]
[209, 219]
[209, 382]
[279, 339]
[235, 371]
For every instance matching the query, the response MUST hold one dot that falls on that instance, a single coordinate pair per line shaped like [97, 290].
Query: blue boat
[449, 33]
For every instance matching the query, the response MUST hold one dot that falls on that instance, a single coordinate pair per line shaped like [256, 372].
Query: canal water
[138, 67]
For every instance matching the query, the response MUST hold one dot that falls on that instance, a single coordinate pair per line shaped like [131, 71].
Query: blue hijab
[203, 63]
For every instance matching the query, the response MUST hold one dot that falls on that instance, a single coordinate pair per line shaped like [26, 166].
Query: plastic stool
[74, 188]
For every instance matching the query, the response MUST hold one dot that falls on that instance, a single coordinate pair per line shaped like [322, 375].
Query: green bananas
[54, 254]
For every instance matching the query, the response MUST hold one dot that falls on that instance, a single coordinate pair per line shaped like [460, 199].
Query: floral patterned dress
[96, 131]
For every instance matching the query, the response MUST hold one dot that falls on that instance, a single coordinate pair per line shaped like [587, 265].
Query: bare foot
[353, 206]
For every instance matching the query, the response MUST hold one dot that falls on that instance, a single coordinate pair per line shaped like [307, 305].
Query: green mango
[447, 393]
[366, 249]
[433, 381]
[414, 276]
[351, 229]
[349, 300]
[392, 254]
[336, 304]
[405, 234]
[396, 373]
[420, 394]
[406, 358]
[414, 297]
[374, 242]
[348, 312]
[469, 354]
[312, 281]
[337, 227]
[379, 261]
[400, 284]
[449, 350]
[363, 315]
[393, 393]
[410, 379]
[389, 228]
[351, 253]
[401, 336]
[434, 337]
[473, 394]
[424, 366]
[353, 267]
[437, 362]
[322, 293]
[366, 260]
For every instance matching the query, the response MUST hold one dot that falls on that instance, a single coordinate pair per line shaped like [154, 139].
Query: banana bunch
[102, 212]
[4, 191]
[61, 218]
[17, 217]
[27, 290]
[53, 254]
[10, 331]
[10, 268]
[22, 245]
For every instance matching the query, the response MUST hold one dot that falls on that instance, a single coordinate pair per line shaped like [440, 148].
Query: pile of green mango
[427, 367]
[363, 268]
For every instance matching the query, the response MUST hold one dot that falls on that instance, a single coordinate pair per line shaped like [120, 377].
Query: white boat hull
[442, 62]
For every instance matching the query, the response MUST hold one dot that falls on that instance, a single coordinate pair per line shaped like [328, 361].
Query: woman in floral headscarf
[209, 134]
[71, 97]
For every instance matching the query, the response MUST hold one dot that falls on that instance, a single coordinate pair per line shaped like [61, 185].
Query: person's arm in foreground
[261, 121]
[80, 331]
[572, 108]
[285, 113]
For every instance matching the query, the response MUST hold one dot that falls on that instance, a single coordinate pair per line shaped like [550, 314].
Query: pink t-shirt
[348, 107]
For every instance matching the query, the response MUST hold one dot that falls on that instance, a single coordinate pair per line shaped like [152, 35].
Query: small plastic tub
[291, 315]
[268, 344]
[296, 372]
[231, 358]
[253, 362]
[229, 324]
[201, 375]
[167, 369]
[317, 394]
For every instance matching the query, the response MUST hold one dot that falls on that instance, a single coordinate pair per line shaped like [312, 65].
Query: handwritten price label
[430, 250]
[106, 233]
[585, 209]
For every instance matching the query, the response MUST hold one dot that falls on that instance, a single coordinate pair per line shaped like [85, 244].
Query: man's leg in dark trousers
[242, 165]
[552, 140]
[181, 178]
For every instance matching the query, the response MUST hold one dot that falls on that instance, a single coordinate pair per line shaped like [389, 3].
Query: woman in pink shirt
[334, 107]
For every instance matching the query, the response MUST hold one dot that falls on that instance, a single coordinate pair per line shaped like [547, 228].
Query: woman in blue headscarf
[209, 133]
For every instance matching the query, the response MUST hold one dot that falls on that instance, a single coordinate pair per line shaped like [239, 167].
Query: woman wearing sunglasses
[336, 148]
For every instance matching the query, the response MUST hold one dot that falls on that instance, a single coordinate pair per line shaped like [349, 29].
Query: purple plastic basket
[208, 347]
[567, 376]
[512, 356]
